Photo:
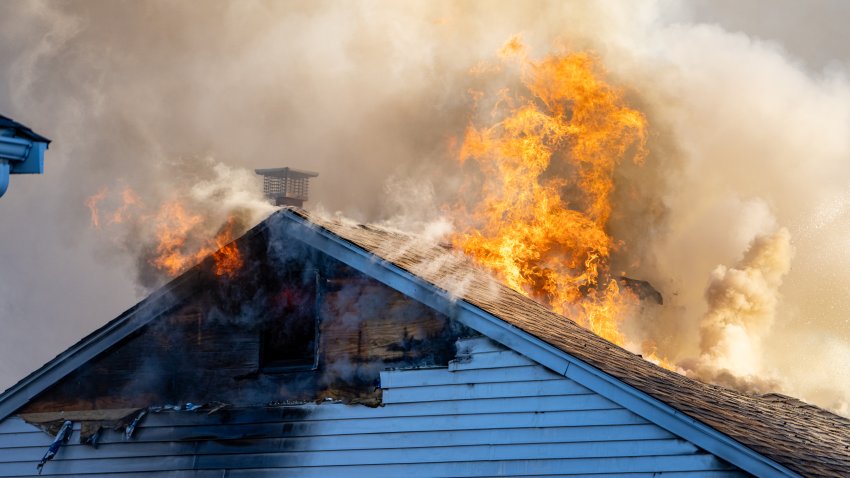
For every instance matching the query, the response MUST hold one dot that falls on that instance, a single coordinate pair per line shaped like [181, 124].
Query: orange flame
[547, 165]
[92, 203]
[173, 225]
[128, 200]
[175, 252]
[176, 234]
[228, 259]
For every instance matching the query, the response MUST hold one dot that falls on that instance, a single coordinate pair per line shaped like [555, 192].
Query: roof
[767, 434]
[286, 173]
[21, 130]
[807, 439]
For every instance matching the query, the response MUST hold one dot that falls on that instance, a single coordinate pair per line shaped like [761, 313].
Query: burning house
[339, 349]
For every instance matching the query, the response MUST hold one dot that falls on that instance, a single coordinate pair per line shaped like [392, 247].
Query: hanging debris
[128, 433]
[90, 434]
[92, 422]
[61, 438]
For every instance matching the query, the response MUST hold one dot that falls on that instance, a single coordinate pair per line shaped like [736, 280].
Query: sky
[748, 104]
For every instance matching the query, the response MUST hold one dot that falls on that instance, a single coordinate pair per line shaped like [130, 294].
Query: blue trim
[14, 149]
[26, 157]
[34, 162]
[4, 176]
[19, 156]
[541, 352]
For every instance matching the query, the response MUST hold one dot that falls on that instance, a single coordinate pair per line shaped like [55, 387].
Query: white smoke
[413, 206]
[742, 306]
[231, 189]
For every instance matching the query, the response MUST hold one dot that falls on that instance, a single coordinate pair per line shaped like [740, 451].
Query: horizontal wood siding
[492, 412]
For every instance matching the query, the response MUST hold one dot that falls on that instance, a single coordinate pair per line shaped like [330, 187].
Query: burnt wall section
[291, 325]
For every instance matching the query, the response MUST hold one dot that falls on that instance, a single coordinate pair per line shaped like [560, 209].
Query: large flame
[227, 258]
[174, 234]
[547, 165]
[173, 226]
[175, 252]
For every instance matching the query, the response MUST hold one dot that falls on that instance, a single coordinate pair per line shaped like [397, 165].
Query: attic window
[290, 332]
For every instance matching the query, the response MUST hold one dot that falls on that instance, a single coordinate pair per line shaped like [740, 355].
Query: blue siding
[492, 412]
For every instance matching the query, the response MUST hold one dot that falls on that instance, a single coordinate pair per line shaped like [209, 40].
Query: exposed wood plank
[114, 414]
[368, 321]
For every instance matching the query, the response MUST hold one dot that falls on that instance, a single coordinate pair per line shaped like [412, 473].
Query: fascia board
[14, 149]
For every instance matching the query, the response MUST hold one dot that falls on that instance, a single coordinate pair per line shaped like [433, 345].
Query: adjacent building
[21, 151]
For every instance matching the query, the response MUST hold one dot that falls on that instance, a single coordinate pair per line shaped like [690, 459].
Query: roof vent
[286, 186]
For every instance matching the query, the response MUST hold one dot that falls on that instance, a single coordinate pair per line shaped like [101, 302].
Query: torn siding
[491, 412]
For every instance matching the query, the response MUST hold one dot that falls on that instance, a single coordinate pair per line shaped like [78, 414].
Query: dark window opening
[289, 336]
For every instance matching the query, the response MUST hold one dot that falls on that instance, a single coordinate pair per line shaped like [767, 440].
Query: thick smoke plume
[742, 306]
[747, 135]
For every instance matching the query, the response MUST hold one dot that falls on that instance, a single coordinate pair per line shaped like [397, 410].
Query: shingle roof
[804, 438]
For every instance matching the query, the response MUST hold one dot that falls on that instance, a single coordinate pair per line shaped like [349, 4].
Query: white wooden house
[349, 350]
